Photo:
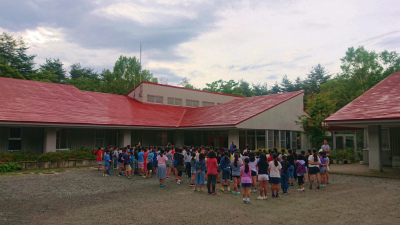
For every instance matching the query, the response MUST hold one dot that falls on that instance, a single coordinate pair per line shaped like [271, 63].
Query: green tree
[319, 107]
[14, 61]
[260, 89]
[275, 89]
[55, 67]
[186, 83]
[126, 74]
[286, 85]
[315, 78]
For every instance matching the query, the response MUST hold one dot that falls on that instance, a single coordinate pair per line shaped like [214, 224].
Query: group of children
[247, 170]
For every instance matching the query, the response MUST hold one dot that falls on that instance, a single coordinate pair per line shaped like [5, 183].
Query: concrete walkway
[363, 170]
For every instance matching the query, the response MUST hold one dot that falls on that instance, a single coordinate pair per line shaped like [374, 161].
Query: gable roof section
[26, 101]
[189, 89]
[381, 102]
[234, 112]
[40, 102]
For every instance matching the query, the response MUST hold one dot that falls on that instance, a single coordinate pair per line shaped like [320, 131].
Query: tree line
[324, 93]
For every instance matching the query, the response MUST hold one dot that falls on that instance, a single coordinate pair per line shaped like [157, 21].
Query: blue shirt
[201, 165]
[150, 156]
[155, 158]
[106, 160]
[140, 157]
[223, 164]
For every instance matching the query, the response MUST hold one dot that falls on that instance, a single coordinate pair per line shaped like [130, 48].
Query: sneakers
[260, 198]
[179, 182]
[318, 187]
[237, 193]
[244, 201]
[299, 189]
[233, 192]
[327, 182]
[214, 193]
[302, 189]
[265, 198]
[248, 202]
[277, 195]
[229, 189]
[191, 185]
[310, 187]
[199, 190]
[194, 189]
[222, 189]
[255, 190]
[273, 195]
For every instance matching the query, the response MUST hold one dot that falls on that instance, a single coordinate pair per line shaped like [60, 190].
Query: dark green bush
[9, 167]
[18, 157]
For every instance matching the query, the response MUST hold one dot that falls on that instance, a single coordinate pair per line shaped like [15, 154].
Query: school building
[42, 117]
[377, 112]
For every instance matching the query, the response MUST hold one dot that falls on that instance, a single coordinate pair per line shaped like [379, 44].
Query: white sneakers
[262, 198]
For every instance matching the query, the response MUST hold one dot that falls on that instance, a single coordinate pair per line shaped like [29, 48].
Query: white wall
[166, 91]
[281, 117]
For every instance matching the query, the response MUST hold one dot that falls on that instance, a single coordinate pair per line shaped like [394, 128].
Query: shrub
[18, 157]
[82, 153]
[9, 167]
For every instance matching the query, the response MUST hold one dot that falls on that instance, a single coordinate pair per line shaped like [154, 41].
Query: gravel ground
[83, 196]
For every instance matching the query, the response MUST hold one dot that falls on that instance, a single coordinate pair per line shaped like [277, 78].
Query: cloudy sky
[259, 41]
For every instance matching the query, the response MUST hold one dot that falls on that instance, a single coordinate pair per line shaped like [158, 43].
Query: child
[193, 162]
[169, 162]
[188, 164]
[149, 164]
[262, 166]
[313, 163]
[115, 157]
[212, 167]
[274, 170]
[107, 161]
[225, 167]
[300, 171]
[155, 159]
[322, 168]
[253, 166]
[145, 154]
[131, 159]
[120, 163]
[99, 158]
[127, 166]
[200, 175]
[162, 168]
[180, 162]
[236, 165]
[291, 159]
[285, 175]
[247, 182]
[140, 161]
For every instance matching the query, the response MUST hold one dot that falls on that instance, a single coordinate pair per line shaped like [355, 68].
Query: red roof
[190, 89]
[381, 102]
[39, 102]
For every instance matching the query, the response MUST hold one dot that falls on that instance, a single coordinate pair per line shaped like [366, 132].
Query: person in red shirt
[270, 159]
[99, 158]
[212, 166]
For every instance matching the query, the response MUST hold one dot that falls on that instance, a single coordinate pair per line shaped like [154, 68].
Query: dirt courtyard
[83, 196]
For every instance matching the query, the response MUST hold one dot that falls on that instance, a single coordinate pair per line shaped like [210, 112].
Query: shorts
[155, 164]
[175, 164]
[236, 177]
[99, 162]
[253, 173]
[169, 164]
[226, 173]
[120, 165]
[322, 170]
[313, 170]
[247, 185]
[141, 165]
[128, 167]
[150, 166]
[262, 177]
[193, 170]
[274, 180]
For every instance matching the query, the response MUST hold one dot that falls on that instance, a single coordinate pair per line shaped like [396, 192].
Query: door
[343, 142]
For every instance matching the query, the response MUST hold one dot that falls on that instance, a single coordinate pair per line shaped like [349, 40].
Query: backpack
[95, 151]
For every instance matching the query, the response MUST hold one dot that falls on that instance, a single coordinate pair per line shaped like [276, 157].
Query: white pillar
[375, 148]
[125, 138]
[50, 139]
[233, 136]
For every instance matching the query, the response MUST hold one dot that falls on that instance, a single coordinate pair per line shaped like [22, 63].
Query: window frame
[14, 139]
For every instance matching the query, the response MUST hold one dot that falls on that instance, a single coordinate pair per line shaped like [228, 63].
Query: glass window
[260, 139]
[151, 98]
[171, 101]
[14, 140]
[385, 139]
[276, 138]
[189, 103]
[178, 101]
[99, 138]
[251, 139]
[288, 140]
[207, 103]
[294, 139]
[298, 139]
[360, 140]
[159, 99]
[270, 138]
[62, 139]
[283, 139]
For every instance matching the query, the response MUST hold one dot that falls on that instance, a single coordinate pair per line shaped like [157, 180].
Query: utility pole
[140, 61]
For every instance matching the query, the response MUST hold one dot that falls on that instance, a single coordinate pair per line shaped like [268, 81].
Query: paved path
[363, 170]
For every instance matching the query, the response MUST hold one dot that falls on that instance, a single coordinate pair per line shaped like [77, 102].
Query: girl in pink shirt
[246, 180]
[162, 168]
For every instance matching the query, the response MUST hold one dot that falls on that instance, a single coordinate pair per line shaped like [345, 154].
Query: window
[283, 139]
[276, 138]
[155, 99]
[219, 103]
[62, 139]
[192, 103]
[207, 103]
[294, 139]
[100, 134]
[174, 101]
[385, 139]
[270, 138]
[14, 140]
[260, 139]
